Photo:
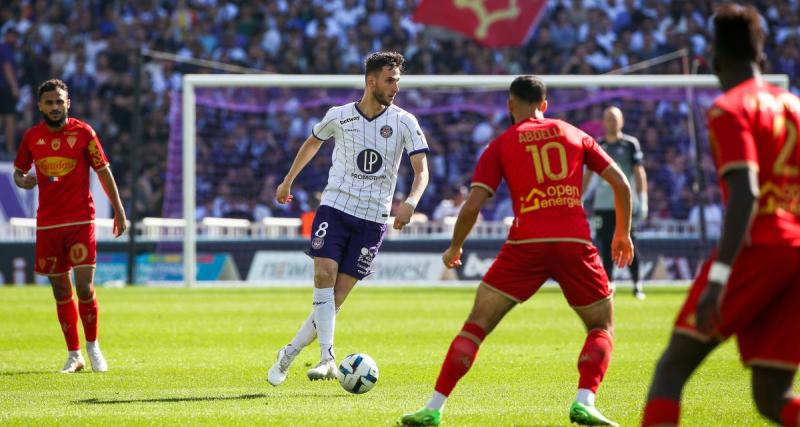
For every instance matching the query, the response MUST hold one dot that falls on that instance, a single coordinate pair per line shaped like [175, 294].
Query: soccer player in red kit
[63, 149]
[542, 162]
[750, 287]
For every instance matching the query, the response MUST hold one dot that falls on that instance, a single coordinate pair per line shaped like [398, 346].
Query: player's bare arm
[466, 220]
[26, 181]
[621, 244]
[739, 214]
[419, 163]
[304, 155]
[110, 187]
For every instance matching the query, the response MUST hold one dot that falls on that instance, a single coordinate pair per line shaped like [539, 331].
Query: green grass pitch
[199, 357]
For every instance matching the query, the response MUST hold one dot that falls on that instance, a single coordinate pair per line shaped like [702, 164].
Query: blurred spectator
[9, 89]
[450, 205]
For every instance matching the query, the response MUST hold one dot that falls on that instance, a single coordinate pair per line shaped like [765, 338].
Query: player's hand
[403, 216]
[29, 181]
[283, 192]
[622, 249]
[707, 315]
[452, 257]
[120, 224]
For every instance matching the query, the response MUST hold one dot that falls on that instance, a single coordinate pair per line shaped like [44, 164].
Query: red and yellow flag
[492, 23]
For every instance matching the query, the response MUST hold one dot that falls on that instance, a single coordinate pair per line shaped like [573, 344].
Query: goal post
[191, 82]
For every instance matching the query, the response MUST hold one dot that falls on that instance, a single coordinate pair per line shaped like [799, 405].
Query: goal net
[233, 138]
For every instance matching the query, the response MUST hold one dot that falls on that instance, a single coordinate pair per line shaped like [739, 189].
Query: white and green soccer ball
[358, 373]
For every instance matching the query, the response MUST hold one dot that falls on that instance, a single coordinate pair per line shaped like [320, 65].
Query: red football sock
[88, 310]
[790, 414]
[459, 357]
[661, 412]
[68, 318]
[594, 359]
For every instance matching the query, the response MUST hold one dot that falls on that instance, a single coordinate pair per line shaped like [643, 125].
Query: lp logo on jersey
[369, 161]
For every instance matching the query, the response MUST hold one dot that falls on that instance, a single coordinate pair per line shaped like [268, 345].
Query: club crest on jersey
[55, 144]
[386, 131]
[317, 243]
[71, 140]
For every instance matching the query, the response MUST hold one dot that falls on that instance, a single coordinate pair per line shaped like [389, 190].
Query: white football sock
[585, 396]
[306, 333]
[437, 401]
[74, 353]
[325, 320]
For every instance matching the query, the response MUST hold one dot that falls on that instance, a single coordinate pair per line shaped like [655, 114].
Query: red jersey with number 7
[62, 159]
[542, 162]
[755, 125]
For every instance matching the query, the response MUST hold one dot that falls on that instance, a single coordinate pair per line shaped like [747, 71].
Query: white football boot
[325, 370]
[277, 373]
[74, 363]
[96, 357]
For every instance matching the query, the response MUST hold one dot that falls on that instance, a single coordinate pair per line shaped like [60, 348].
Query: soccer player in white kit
[350, 224]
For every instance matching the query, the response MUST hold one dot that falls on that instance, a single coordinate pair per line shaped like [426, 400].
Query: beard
[511, 117]
[54, 123]
[382, 98]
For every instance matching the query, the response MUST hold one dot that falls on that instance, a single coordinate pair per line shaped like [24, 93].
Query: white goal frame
[356, 81]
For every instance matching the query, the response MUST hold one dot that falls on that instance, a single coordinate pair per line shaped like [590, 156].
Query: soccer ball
[358, 373]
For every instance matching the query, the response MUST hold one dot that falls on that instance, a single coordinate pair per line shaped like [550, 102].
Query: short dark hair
[530, 89]
[51, 85]
[738, 33]
[376, 61]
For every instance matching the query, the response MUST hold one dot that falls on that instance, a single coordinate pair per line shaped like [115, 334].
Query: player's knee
[85, 293]
[770, 389]
[61, 293]
[324, 276]
[768, 404]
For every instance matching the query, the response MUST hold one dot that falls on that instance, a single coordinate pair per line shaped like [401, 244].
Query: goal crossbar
[356, 81]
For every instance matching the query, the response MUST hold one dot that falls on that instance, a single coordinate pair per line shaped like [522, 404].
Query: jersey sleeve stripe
[484, 186]
[421, 150]
[104, 167]
[727, 167]
[315, 135]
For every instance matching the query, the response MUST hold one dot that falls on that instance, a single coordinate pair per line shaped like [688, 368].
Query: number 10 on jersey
[541, 161]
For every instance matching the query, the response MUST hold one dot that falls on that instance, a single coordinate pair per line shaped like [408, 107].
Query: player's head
[613, 120]
[382, 76]
[54, 102]
[738, 37]
[527, 97]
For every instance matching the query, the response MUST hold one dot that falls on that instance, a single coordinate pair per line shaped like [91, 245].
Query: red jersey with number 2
[542, 162]
[755, 125]
[62, 159]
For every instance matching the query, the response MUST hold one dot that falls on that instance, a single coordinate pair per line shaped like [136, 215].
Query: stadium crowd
[91, 44]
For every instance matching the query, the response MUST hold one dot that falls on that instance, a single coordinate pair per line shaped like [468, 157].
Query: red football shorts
[520, 270]
[759, 305]
[60, 249]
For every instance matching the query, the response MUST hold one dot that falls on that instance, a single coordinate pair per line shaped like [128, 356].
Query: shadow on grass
[96, 401]
[15, 373]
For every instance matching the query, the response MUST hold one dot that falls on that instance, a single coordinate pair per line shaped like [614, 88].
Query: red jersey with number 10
[542, 162]
[62, 160]
[755, 125]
